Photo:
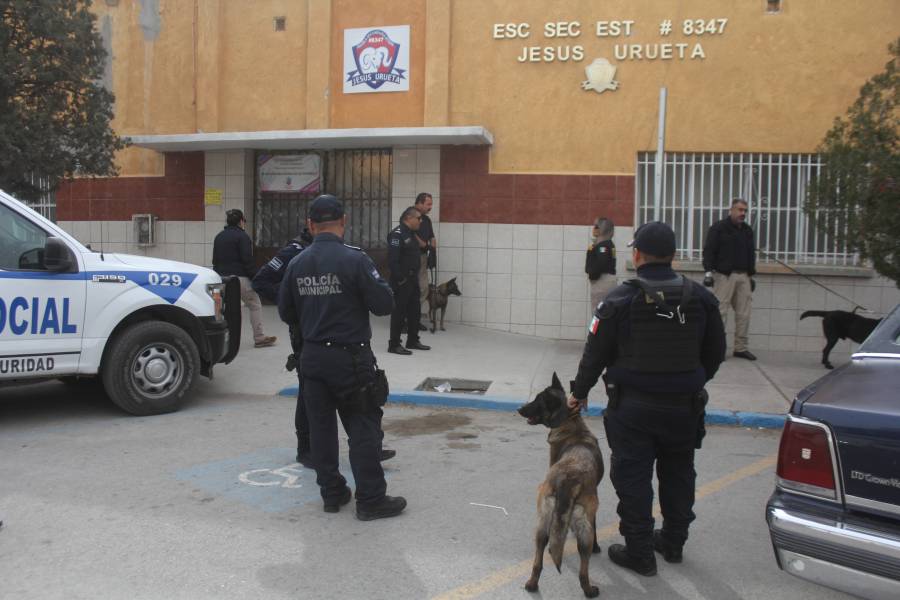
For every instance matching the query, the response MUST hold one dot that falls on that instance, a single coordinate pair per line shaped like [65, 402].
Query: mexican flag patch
[594, 326]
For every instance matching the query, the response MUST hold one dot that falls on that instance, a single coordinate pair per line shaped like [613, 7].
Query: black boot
[417, 345]
[389, 506]
[618, 553]
[398, 349]
[387, 454]
[333, 505]
[669, 551]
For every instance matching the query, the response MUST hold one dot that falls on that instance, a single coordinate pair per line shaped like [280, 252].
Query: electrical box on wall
[144, 229]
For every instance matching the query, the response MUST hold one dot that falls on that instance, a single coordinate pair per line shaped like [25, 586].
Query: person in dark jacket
[428, 246]
[268, 278]
[404, 261]
[659, 338]
[329, 291]
[600, 260]
[233, 255]
[729, 259]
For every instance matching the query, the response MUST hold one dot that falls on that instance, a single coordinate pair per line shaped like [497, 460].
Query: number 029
[173, 279]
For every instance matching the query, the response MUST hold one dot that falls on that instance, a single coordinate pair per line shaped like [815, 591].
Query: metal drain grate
[454, 385]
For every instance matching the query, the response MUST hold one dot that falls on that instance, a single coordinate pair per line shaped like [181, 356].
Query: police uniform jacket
[404, 255]
[729, 248]
[233, 253]
[611, 329]
[267, 279]
[329, 290]
[600, 259]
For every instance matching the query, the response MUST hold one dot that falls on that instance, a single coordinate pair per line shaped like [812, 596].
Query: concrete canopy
[315, 139]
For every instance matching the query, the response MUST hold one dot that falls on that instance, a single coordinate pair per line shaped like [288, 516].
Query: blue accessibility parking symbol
[269, 480]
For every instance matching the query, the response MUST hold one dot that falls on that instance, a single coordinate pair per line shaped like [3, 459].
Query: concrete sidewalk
[743, 392]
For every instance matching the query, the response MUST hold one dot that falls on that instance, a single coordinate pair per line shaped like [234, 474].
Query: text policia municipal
[620, 30]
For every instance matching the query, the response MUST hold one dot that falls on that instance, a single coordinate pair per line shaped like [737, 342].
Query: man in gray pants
[729, 259]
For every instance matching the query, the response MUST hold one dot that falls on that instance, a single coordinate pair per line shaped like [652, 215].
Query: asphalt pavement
[208, 503]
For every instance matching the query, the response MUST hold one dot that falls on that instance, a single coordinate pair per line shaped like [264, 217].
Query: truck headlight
[216, 292]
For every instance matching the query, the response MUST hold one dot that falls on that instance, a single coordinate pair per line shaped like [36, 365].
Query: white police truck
[145, 326]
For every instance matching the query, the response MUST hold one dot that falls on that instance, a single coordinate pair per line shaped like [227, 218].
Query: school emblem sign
[376, 59]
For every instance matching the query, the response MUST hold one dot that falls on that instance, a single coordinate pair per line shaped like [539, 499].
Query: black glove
[752, 285]
[708, 279]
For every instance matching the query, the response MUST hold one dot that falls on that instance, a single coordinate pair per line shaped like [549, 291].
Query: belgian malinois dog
[840, 325]
[567, 499]
[437, 299]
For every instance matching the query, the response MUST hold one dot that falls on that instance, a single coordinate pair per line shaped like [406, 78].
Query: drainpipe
[660, 156]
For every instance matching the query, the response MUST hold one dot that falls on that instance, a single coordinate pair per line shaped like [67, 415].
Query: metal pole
[660, 159]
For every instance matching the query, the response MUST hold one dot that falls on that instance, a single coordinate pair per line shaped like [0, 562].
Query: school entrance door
[361, 179]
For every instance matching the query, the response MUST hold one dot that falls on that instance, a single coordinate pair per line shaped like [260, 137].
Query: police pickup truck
[145, 326]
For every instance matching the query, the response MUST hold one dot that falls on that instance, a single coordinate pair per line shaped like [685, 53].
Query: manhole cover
[454, 385]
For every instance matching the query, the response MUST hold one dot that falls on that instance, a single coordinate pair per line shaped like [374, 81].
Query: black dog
[437, 299]
[840, 325]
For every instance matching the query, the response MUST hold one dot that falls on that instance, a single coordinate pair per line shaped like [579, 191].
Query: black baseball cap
[325, 208]
[654, 238]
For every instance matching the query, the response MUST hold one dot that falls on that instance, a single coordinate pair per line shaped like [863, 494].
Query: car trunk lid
[861, 403]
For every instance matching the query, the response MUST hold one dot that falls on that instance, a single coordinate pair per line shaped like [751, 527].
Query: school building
[525, 120]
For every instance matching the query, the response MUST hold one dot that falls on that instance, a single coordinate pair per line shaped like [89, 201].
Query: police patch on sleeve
[395, 241]
[375, 273]
[594, 326]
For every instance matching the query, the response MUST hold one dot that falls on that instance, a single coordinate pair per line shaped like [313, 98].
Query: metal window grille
[361, 179]
[46, 204]
[698, 189]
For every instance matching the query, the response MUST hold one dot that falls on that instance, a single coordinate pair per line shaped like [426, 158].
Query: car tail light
[806, 459]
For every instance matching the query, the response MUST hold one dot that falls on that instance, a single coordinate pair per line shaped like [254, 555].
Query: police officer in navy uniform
[267, 283]
[329, 291]
[659, 338]
[268, 278]
[404, 260]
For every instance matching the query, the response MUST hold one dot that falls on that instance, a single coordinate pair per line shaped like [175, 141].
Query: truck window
[21, 242]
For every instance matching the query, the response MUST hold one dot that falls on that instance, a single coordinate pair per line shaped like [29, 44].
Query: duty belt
[353, 347]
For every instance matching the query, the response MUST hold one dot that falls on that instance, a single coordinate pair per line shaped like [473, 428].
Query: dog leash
[807, 277]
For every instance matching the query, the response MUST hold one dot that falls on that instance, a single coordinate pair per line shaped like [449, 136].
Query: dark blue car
[834, 517]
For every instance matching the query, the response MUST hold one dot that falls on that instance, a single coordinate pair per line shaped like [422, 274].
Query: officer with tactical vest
[404, 260]
[660, 338]
[328, 292]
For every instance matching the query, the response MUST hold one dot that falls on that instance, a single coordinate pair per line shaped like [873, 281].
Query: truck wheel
[149, 367]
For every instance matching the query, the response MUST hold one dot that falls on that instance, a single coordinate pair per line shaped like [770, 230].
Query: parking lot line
[522, 569]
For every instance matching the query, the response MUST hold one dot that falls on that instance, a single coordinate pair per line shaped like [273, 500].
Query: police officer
[660, 339]
[329, 290]
[268, 278]
[404, 260]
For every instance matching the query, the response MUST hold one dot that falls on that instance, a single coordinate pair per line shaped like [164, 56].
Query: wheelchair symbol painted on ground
[287, 476]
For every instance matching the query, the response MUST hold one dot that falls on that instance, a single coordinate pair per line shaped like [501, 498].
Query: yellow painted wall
[395, 109]
[770, 83]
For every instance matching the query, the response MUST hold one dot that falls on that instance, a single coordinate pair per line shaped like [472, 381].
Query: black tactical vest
[665, 328]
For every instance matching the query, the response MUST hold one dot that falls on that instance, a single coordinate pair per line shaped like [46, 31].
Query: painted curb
[500, 403]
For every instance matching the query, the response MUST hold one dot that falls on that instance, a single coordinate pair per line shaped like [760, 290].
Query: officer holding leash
[329, 290]
[660, 338]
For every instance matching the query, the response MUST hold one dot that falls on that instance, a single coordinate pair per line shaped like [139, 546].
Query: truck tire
[149, 367]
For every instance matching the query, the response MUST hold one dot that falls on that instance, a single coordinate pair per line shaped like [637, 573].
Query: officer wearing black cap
[660, 338]
[328, 292]
[404, 260]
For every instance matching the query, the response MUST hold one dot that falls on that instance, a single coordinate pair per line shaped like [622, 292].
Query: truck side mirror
[57, 256]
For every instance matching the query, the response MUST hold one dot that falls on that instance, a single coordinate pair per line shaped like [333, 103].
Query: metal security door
[361, 179]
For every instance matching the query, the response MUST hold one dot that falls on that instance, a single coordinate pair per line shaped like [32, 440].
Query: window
[46, 204]
[773, 6]
[21, 242]
[698, 189]
[279, 23]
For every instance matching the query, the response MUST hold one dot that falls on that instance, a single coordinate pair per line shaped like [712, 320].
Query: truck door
[41, 311]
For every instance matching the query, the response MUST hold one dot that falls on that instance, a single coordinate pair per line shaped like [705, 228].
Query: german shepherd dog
[568, 496]
[437, 299]
[840, 325]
